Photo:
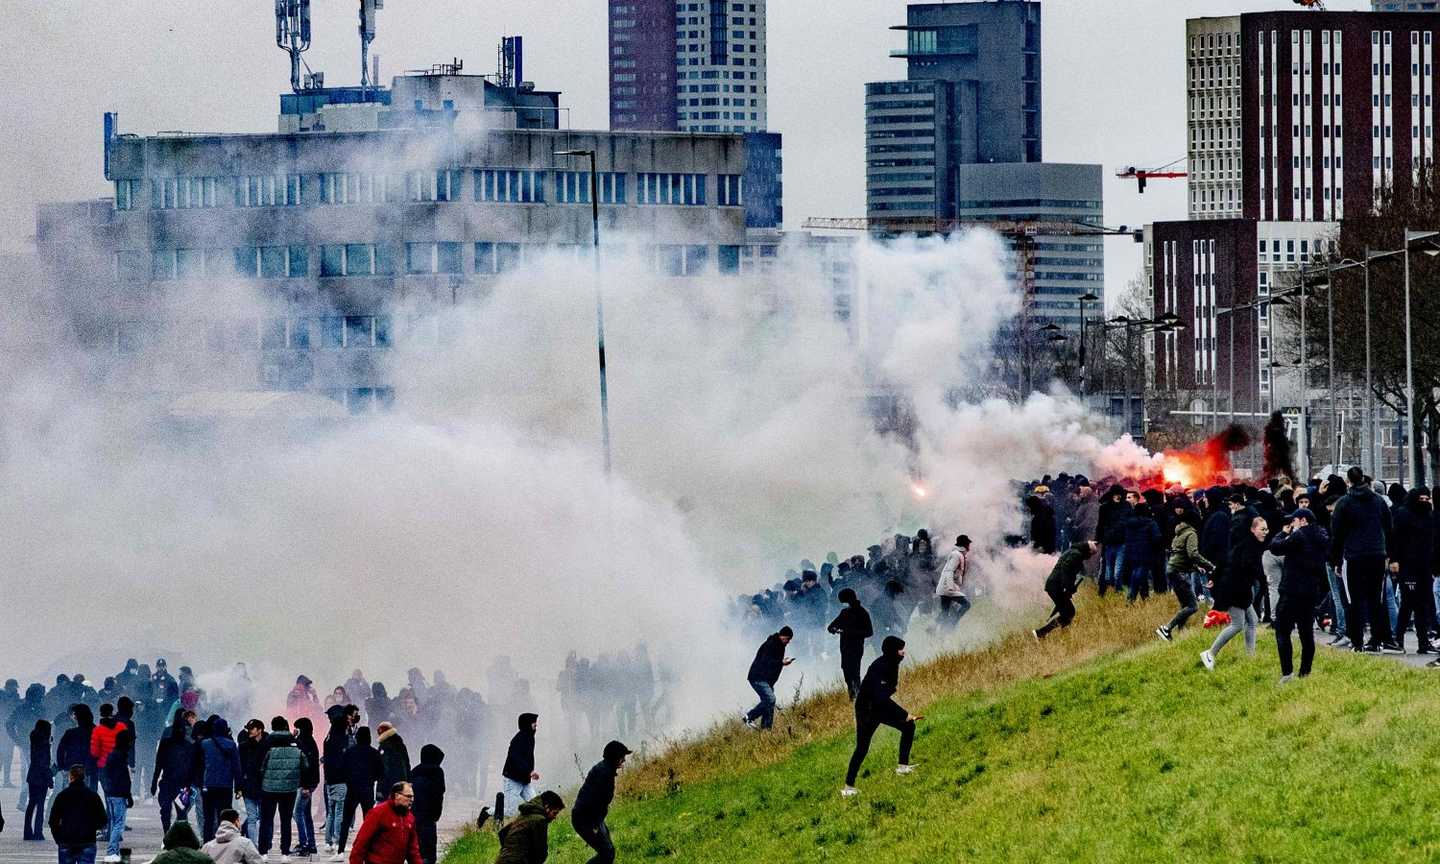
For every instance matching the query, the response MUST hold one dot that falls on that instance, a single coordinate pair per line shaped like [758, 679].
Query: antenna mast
[367, 35]
[292, 33]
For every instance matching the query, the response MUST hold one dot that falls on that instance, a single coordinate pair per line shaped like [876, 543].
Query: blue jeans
[1338, 598]
[1111, 567]
[117, 810]
[766, 709]
[305, 819]
[335, 812]
[1198, 580]
[77, 854]
[1392, 605]
[252, 820]
[1139, 581]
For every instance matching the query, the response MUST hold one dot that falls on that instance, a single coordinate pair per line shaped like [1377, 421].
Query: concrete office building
[1404, 6]
[692, 66]
[425, 208]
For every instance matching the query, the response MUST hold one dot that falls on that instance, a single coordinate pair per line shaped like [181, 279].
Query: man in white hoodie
[950, 590]
[230, 846]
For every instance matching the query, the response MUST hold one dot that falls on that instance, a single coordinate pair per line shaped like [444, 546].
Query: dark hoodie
[74, 746]
[768, 662]
[182, 847]
[428, 782]
[337, 741]
[176, 760]
[526, 838]
[1360, 526]
[1414, 537]
[853, 624]
[520, 761]
[1110, 529]
[875, 702]
[362, 768]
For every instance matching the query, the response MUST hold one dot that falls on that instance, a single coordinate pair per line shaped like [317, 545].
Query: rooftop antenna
[292, 33]
[368, 8]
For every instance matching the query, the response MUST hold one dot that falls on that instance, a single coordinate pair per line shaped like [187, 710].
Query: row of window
[372, 259]
[508, 185]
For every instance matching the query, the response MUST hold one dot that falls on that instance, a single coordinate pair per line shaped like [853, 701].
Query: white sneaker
[338, 856]
[847, 792]
[1163, 633]
[112, 859]
[1208, 659]
[905, 769]
[265, 858]
[284, 859]
[1286, 679]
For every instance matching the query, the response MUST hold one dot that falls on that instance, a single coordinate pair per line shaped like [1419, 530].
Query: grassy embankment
[1100, 744]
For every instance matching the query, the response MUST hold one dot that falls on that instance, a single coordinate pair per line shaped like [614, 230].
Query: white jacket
[952, 577]
[231, 847]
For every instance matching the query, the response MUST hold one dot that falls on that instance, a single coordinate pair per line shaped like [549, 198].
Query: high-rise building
[1307, 115]
[696, 67]
[1404, 5]
[971, 94]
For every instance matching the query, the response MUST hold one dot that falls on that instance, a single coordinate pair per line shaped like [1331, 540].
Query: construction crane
[1140, 175]
[932, 225]
[1316, 5]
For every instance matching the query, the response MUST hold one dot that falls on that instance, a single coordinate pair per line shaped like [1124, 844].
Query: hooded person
[176, 761]
[1110, 532]
[394, 757]
[1042, 522]
[592, 803]
[1360, 537]
[1412, 561]
[1061, 585]
[220, 773]
[337, 741]
[74, 746]
[362, 769]
[526, 838]
[39, 778]
[181, 847]
[428, 781]
[1183, 564]
[950, 589]
[230, 846]
[518, 775]
[309, 782]
[1302, 546]
[854, 627]
[875, 706]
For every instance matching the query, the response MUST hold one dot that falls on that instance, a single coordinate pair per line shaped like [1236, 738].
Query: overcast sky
[1113, 83]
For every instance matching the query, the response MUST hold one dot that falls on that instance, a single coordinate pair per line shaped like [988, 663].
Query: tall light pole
[1411, 237]
[1087, 297]
[599, 299]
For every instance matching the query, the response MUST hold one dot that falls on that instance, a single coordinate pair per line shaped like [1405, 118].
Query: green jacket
[1069, 570]
[526, 838]
[1185, 554]
[182, 847]
[280, 772]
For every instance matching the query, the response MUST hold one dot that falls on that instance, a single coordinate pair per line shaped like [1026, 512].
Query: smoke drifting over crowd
[474, 519]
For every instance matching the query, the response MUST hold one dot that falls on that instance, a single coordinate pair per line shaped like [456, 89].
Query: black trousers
[354, 798]
[1062, 615]
[1295, 612]
[597, 837]
[1416, 601]
[1365, 576]
[425, 833]
[213, 801]
[865, 728]
[1180, 584]
[269, 803]
[850, 667]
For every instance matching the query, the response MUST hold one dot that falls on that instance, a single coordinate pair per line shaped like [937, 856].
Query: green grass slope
[1136, 756]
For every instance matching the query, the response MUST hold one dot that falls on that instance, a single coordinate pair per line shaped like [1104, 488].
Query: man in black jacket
[1303, 546]
[1360, 536]
[1061, 585]
[518, 776]
[764, 673]
[1110, 531]
[337, 741]
[427, 780]
[592, 803]
[854, 627]
[875, 707]
[253, 746]
[1412, 561]
[75, 816]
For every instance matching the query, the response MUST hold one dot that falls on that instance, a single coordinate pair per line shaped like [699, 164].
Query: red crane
[1317, 5]
[1140, 175]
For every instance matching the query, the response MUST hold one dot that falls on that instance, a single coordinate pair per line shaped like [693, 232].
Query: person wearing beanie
[518, 775]
[220, 773]
[1060, 586]
[1302, 546]
[950, 590]
[854, 627]
[592, 803]
[526, 838]
[182, 846]
[875, 706]
[765, 670]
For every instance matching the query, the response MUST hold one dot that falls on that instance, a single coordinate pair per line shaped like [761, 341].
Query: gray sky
[1113, 83]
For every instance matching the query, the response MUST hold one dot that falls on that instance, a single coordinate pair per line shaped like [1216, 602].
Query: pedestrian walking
[362, 768]
[854, 627]
[876, 707]
[394, 757]
[428, 781]
[1302, 547]
[387, 836]
[1412, 561]
[764, 673]
[76, 816]
[592, 803]
[1236, 592]
[337, 741]
[176, 763]
[1181, 566]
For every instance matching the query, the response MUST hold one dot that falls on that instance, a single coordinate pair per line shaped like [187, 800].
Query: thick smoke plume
[1279, 455]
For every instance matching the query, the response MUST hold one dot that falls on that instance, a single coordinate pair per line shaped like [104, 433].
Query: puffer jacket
[1185, 554]
[283, 764]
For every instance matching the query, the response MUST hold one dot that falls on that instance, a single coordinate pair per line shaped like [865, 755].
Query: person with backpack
[875, 707]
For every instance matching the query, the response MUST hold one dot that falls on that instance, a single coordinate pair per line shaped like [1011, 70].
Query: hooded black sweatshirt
[74, 746]
[428, 781]
[875, 701]
[337, 741]
[853, 625]
[520, 761]
[1414, 537]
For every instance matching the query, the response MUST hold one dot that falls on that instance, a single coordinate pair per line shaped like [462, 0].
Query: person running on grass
[769, 661]
[876, 707]
[1061, 586]
[1184, 561]
[1236, 591]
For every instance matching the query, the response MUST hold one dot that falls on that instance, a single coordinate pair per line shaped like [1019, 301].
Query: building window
[125, 193]
[267, 190]
[730, 188]
[671, 189]
[354, 259]
[496, 257]
[272, 262]
[170, 193]
[573, 187]
[441, 257]
[510, 186]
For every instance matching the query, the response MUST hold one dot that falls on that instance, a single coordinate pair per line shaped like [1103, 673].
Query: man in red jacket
[388, 834]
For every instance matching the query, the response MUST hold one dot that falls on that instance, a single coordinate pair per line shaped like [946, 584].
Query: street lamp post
[1087, 297]
[599, 299]
[1410, 237]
